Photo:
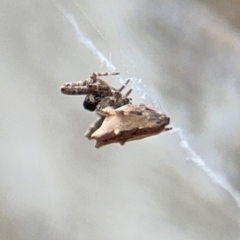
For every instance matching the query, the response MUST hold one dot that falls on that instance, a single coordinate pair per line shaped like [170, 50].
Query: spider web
[147, 95]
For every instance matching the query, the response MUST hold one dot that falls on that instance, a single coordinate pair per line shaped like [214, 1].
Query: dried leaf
[128, 123]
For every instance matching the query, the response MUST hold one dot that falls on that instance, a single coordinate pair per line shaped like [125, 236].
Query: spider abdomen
[91, 101]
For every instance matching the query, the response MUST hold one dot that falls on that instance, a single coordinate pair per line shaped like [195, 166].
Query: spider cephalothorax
[96, 90]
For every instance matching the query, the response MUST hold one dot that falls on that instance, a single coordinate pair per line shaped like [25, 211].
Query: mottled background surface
[55, 185]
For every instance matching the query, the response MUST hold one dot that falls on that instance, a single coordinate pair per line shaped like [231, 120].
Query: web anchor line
[215, 177]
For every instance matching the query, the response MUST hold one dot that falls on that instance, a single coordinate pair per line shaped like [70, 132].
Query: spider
[119, 120]
[96, 90]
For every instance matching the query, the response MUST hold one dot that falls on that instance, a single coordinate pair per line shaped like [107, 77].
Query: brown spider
[119, 120]
[96, 90]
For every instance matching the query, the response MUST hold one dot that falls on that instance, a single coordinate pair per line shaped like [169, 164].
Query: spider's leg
[101, 82]
[124, 85]
[93, 88]
[98, 74]
[112, 102]
[72, 88]
[121, 103]
[102, 85]
[80, 89]
[104, 103]
[128, 93]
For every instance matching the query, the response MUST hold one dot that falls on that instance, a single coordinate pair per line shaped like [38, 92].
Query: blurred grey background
[55, 185]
